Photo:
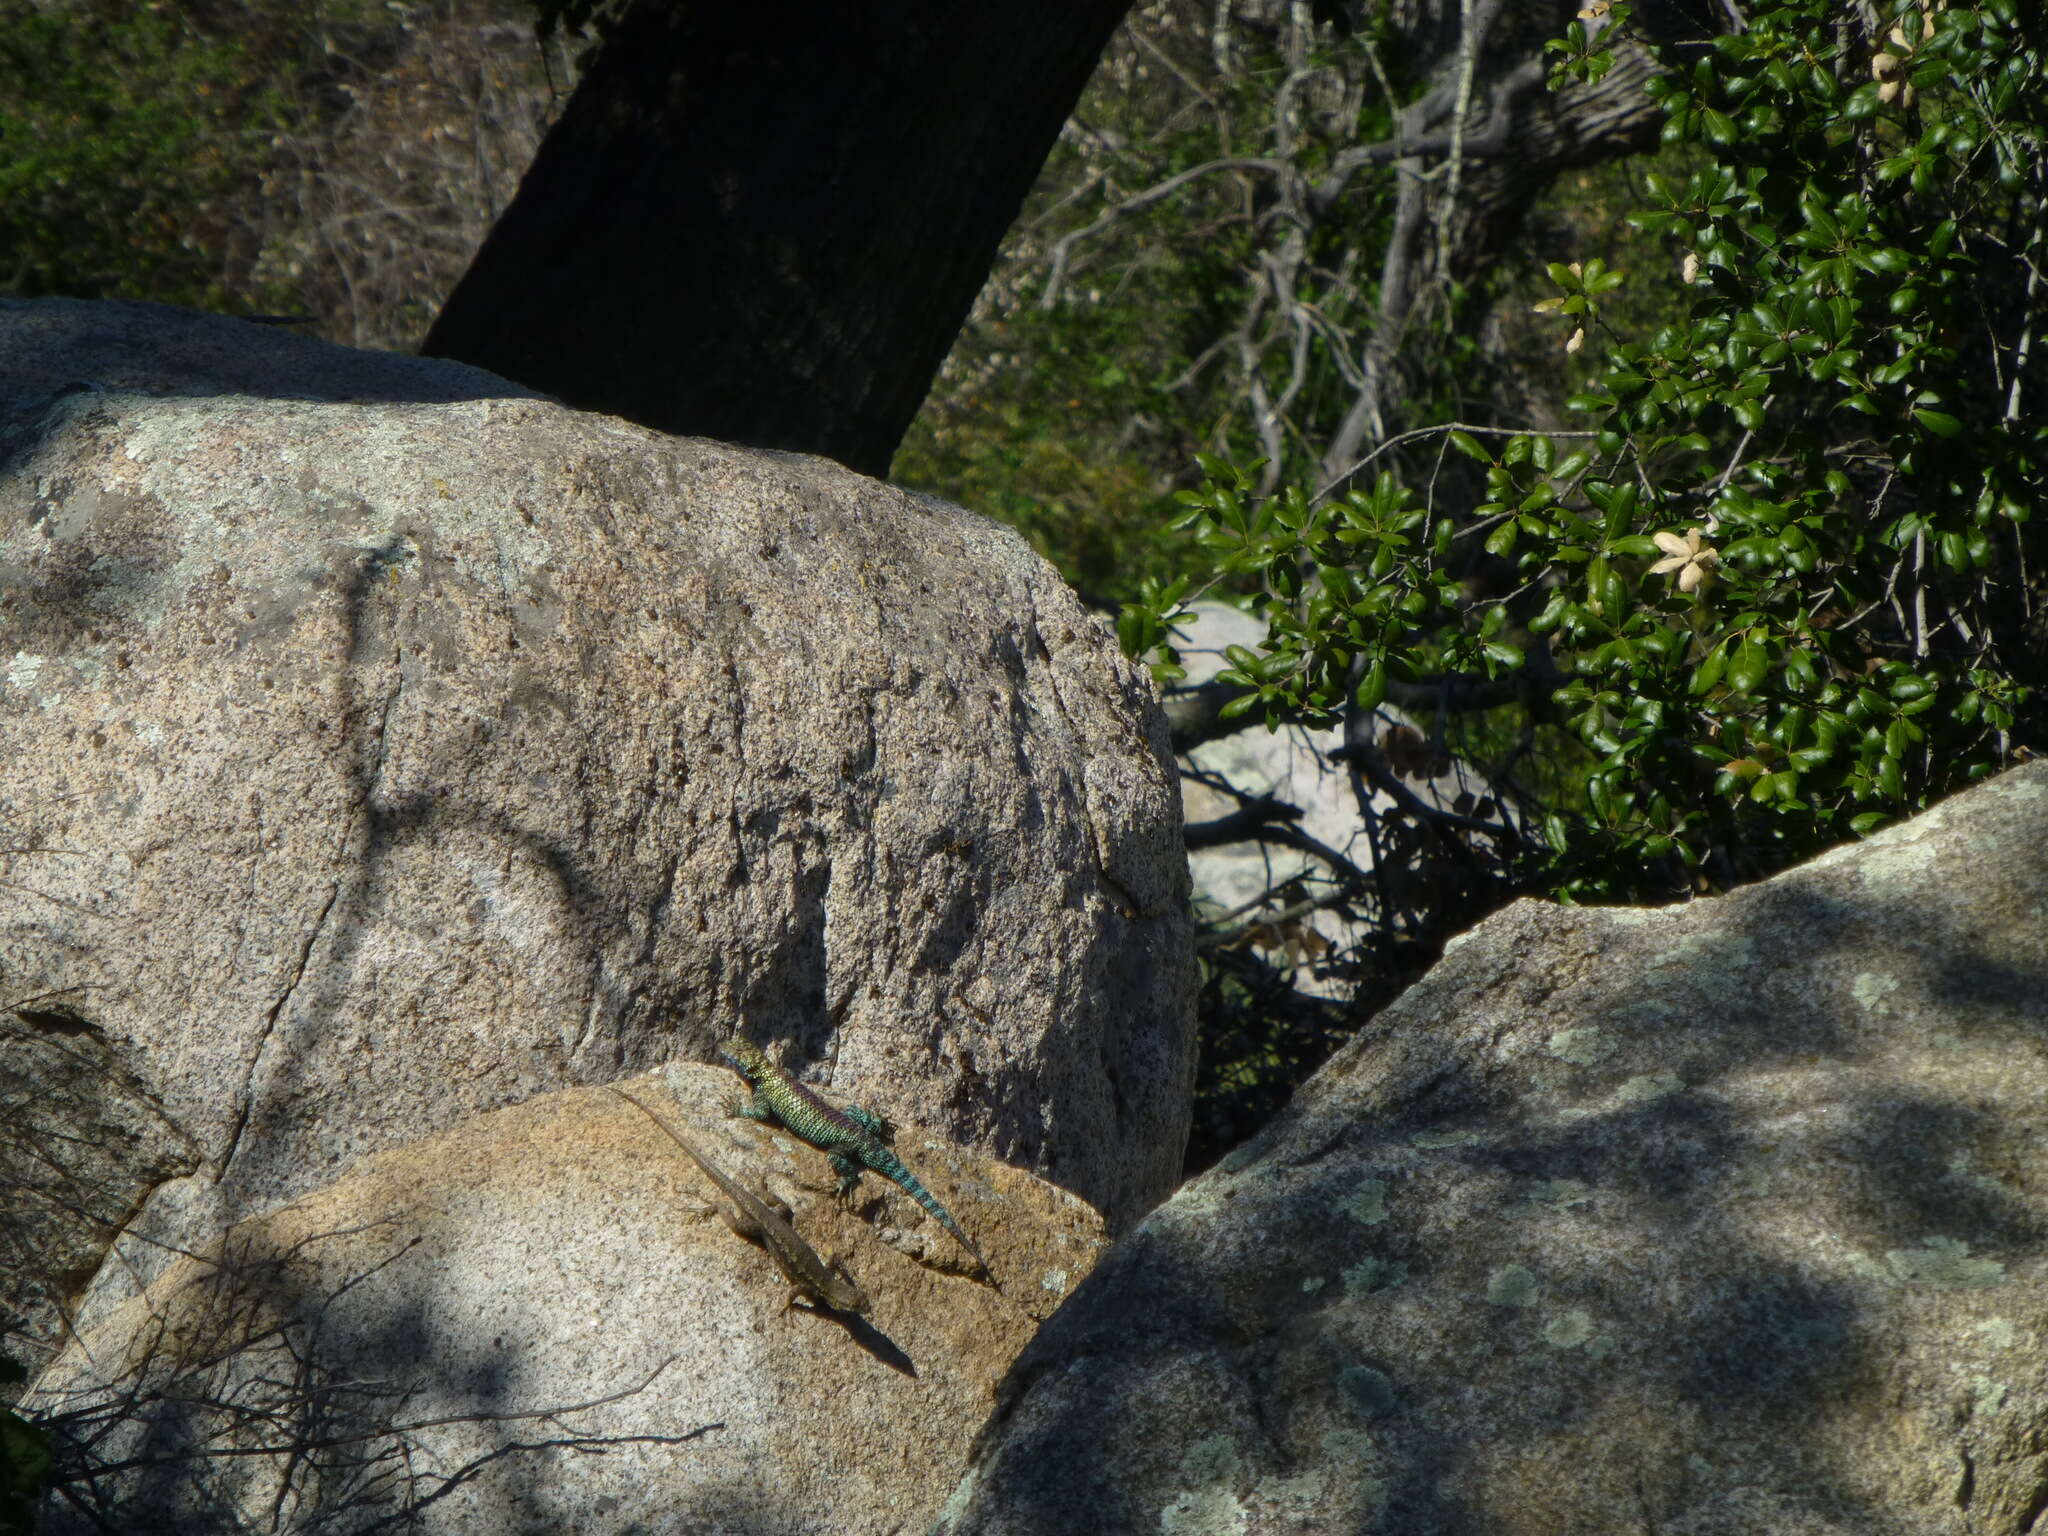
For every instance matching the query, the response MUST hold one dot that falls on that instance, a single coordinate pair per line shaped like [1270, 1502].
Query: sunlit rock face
[382, 744]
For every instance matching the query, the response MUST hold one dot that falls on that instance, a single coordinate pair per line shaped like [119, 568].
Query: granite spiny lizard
[751, 1216]
[852, 1137]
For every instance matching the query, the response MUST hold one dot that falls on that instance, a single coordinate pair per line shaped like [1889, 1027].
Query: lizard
[852, 1136]
[752, 1217]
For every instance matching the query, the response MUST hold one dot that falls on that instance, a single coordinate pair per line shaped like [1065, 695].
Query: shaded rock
[1710, 1221]
[82, 1145]
[367, 766]
[417, 1337]
[50, 346]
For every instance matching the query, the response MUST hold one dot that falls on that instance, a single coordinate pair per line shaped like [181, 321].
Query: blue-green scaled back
[851, 1137]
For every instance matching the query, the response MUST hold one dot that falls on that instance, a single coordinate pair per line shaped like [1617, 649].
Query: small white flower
[1690, 557]
[1578, 340]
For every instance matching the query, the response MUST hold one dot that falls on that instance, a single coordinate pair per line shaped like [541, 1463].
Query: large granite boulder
[381, 745]
[533, 1322]
[1723, 1220]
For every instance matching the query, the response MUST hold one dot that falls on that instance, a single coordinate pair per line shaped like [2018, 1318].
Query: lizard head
[847, 1296]
[744, 1056]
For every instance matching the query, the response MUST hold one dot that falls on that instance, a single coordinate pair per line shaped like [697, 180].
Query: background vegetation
[24, 1461]
[334, 161]
[1695, 535]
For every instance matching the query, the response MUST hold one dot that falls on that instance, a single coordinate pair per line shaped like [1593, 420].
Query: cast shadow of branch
[232, 1407]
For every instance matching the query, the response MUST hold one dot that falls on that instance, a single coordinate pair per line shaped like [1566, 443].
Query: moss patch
[1369, 1204]
[1650, 1086]
[1582, 1047]
[1513, 1285]
[1943, 1264]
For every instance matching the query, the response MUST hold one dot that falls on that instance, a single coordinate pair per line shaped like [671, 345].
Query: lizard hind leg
[849, 1170]
[869, 1121]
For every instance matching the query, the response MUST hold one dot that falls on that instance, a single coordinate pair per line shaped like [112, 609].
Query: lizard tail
[890, 1167]
[945, 1219]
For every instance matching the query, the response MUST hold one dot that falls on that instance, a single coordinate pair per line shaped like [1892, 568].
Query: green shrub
[121, 128]
[24, 1463]
[1784, 584]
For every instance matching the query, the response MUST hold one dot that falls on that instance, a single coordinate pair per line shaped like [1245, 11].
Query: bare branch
[1217, 936]
[1359, 748]
[1344, 476]
[1492, 141]
[1247, 821]
[239, 1388]
[1062, 249]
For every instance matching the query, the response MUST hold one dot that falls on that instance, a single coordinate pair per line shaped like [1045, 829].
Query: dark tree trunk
[765, 222]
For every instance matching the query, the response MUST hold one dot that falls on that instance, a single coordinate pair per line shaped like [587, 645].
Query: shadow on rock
[1717, 1219]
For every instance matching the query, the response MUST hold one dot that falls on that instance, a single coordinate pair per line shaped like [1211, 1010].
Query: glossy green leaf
[1710, 670]
[1372, 688]
[1502, 653]
[1747, 667]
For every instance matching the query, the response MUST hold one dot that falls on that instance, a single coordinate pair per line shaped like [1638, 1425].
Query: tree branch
[1062, 249]
[1492, 141]
[1360, 749]
[1246, 822]
[1194, 715]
